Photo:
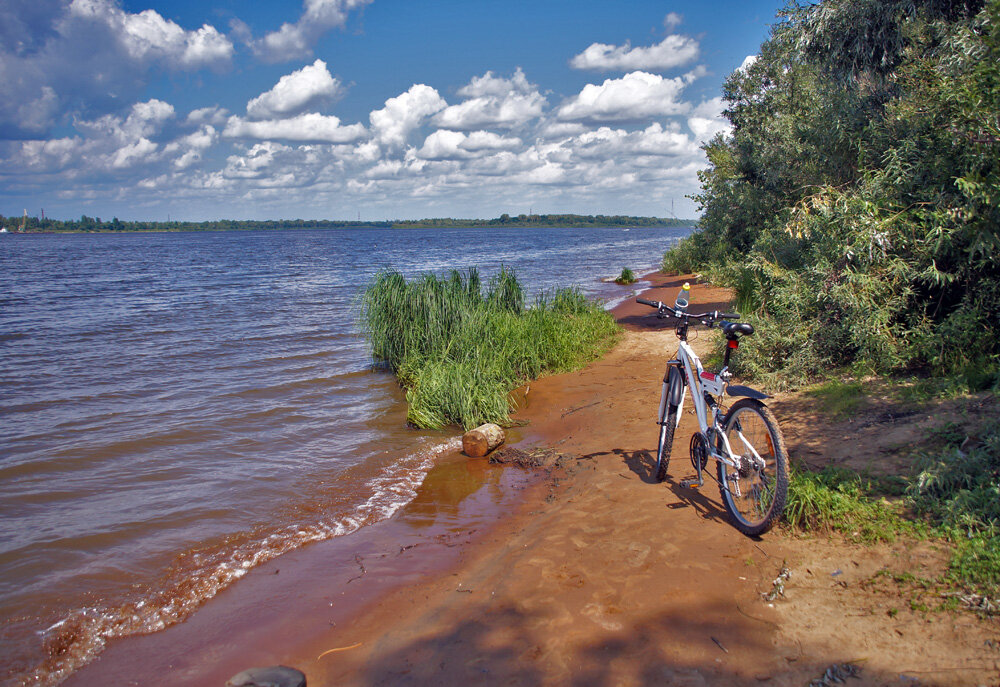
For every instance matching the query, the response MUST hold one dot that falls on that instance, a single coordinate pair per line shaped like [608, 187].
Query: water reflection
[447, 490]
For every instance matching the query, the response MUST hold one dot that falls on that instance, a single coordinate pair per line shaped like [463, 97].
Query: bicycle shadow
[643, 464]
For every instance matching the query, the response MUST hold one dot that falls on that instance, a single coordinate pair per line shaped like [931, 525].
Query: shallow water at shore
[179, 408]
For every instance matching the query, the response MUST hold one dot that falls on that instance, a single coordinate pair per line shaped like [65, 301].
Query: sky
[378, 109]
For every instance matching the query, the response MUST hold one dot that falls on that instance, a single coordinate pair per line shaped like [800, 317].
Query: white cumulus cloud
[311, 127]
[672, 51]
[404, 113]
[216, 116]
[294, 41]
[748, 62]
[109, 143]
[488, 84]
[132, 153]
[635, 96]
[148, 36]
[187, 150]
[672, 21]
[494, 101]
[88, 57]
[454, 145]
[613, 144]
[706, 120]
[295, 92]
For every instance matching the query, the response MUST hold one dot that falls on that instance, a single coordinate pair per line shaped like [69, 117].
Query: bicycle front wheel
[668, 422]
[754, 493]
[674, 390]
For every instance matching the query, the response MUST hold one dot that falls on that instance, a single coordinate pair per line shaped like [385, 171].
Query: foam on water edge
[78, 638]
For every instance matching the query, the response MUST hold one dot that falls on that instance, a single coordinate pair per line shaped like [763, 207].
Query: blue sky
[387, 108]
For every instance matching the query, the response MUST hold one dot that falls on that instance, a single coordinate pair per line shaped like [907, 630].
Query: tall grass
[460, 351]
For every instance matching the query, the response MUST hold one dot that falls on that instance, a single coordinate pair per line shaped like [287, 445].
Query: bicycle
[745, 441]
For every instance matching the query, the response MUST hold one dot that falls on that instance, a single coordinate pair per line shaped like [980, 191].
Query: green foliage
[626, 277]
[960, 486]
[955, 489]
[855, 207]
[685, 256]
[460, 352]
[839, 399]
[840, 500]
[976, 561]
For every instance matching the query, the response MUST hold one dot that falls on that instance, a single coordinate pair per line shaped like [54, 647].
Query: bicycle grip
[652, 304]
[730, 316]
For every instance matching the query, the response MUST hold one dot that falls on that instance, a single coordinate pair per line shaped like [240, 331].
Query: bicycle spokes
[754, 486]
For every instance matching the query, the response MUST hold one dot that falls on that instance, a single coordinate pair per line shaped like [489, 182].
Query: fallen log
[481, 440]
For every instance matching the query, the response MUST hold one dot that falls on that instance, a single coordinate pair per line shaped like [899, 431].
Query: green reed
[459, 350]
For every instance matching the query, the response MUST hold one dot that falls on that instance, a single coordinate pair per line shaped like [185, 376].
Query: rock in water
[271, 676]
[481, 440]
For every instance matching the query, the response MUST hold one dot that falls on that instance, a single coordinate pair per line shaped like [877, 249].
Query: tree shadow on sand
[689, 640]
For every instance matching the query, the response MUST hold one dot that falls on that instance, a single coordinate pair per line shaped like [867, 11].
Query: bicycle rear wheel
[762, 475]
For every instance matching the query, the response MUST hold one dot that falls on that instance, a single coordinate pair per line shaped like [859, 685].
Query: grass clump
[459, 350]
[626, 277]
[958, 488]
[838, 398]
[954, 492]
[842, 501]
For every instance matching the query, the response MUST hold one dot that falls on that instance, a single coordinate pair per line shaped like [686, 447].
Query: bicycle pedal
[692, 483]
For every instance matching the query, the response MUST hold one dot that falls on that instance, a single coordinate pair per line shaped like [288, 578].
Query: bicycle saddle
[731, 329]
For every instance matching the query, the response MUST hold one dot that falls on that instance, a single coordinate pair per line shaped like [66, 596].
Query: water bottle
[683, 298]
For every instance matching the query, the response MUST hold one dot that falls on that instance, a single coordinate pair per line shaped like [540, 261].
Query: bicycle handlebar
[664, 308]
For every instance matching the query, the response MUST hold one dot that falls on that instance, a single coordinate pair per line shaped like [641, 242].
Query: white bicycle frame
[700, 382]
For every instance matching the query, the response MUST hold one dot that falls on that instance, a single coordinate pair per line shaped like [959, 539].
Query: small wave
[197, 577]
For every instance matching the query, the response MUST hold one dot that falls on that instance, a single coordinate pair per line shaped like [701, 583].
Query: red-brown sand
[587, 573]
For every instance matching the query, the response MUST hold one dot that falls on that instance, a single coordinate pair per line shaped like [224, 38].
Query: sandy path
[610, 579]
[593, 576]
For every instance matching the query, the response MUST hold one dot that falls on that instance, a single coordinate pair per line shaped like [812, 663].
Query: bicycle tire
[762, 492]
[668, 423]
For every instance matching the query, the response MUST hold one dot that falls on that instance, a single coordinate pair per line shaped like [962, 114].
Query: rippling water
[177, 408]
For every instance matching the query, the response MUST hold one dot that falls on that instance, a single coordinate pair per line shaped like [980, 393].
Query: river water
[176, 408]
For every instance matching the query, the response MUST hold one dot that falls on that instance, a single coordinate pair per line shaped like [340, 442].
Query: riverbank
[585, 573]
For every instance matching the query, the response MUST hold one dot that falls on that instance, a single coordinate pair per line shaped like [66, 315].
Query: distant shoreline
[93, 225]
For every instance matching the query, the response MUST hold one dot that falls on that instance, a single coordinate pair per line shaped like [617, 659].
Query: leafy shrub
[854, 206]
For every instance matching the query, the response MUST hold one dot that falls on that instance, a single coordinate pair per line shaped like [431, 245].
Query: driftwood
[481, 440]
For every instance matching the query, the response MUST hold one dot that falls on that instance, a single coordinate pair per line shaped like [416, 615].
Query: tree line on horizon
[96, 224]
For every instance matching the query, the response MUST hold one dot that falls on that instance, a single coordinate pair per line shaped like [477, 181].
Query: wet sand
[584, 573]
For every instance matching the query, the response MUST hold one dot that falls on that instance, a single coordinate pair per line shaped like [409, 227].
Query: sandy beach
[583, 572]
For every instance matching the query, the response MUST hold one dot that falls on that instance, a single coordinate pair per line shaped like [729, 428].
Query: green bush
[459, 352]
[960, 485]
[855, 205]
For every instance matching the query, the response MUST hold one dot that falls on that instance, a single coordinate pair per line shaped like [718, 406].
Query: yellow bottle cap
[686, 287]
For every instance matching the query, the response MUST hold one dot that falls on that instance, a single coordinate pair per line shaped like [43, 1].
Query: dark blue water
[177, 408]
